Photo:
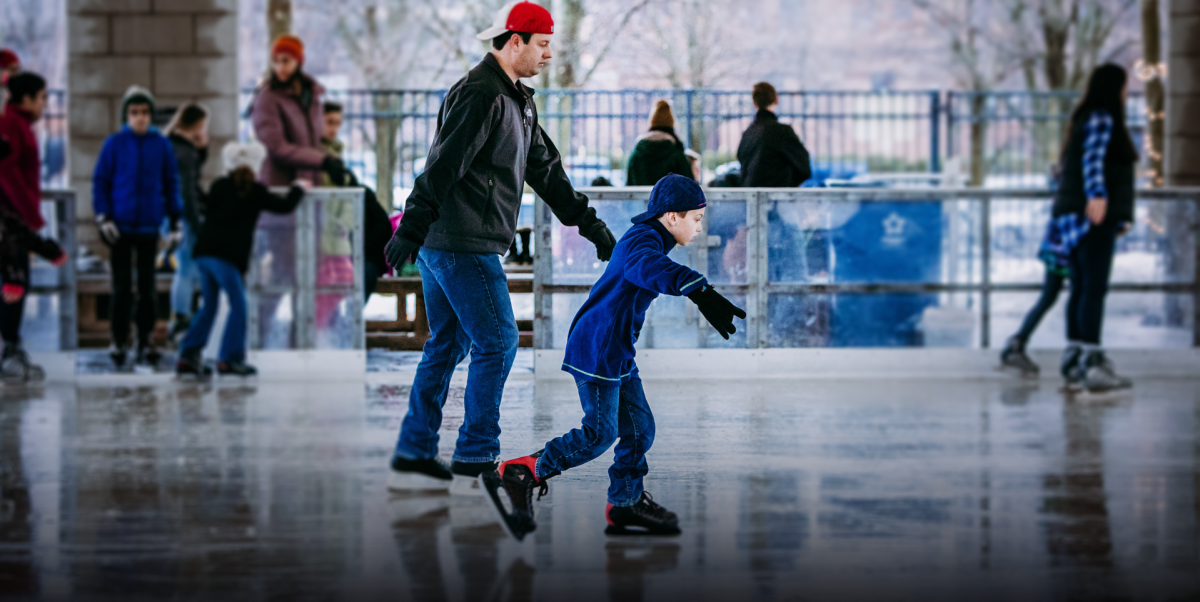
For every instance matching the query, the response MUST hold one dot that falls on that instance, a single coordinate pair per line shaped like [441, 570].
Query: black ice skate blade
[492, 485]
[618, 531]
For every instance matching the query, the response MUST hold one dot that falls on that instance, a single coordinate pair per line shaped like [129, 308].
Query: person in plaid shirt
[1092, 207]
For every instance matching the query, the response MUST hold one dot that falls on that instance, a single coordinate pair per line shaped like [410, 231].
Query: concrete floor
[785, 490]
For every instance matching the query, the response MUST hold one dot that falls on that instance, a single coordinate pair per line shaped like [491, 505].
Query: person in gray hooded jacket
[462, 216]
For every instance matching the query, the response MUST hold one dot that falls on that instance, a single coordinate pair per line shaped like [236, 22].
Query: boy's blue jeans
[469, 309]
[184, 284]
[218, 275]
[609, 413]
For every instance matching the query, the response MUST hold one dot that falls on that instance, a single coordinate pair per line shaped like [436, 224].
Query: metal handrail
[61, 227]
[760, 287]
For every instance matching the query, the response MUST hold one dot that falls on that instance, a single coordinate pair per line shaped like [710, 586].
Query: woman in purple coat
[288, 121]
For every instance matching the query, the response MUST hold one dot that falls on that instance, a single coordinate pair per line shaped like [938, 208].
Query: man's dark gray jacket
[488, 144]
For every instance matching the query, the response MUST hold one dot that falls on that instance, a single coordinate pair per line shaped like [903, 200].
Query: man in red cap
[461, 216]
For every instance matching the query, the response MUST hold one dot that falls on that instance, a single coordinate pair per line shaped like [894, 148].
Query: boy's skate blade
[466, 486]
[493, 489]
[619, 531]
[415, 481]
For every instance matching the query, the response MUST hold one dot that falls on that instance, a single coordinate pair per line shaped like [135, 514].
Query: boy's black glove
[602, 238]
[400, 249]
[335, 168]
[717, 309]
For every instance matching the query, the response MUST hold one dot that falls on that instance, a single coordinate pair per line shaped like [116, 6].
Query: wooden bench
[94, 296]
[404, 335]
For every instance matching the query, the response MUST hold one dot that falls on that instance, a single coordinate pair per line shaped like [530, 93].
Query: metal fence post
[543, 270]
[935, 143]
[948, 110]
[1196, 275]
[985, 292]
[305, 295]
[68, 311]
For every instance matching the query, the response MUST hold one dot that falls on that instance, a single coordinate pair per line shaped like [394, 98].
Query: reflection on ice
[814, 490]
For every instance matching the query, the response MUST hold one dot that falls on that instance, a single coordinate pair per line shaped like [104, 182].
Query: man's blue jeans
[609, 413]
[469, 309]
[218, 275]
[183, 287]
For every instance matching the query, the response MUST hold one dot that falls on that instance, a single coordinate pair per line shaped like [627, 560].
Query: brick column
[181, 50]
[1183, 94]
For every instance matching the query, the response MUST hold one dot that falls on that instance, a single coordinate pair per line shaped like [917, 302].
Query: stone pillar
[1183, 94]
[181, 50]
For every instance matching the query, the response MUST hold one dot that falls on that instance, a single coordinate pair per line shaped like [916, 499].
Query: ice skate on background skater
[600, 355]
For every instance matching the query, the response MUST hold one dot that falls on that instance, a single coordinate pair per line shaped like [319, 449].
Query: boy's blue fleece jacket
[600, 342]
[136, 181]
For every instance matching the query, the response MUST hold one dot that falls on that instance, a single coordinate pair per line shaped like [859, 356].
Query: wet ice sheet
[785, 490]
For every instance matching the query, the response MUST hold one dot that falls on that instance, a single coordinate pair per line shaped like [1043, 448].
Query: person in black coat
[222, 256]
[771, 153]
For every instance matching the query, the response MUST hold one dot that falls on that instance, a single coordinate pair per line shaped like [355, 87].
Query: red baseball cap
[524, 17]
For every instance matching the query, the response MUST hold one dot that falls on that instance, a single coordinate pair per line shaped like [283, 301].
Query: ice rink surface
[786, 490]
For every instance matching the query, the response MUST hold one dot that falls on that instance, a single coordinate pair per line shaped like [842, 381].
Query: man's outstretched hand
[603, 239]
[400, 249]
[717, 309]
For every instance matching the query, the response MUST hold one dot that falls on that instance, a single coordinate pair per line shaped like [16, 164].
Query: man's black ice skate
[642, 518]
[466, 477]
[1013, 357]
[241, 369]
[429, 474]
[516, 480]
[190, 364]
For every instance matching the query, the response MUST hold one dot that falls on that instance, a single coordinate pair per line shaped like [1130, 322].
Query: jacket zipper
[491, 201]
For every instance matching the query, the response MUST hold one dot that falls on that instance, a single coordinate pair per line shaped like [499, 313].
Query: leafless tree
[34, 29]
[1052, 44]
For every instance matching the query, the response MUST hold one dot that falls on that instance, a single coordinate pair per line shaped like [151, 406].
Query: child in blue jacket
[600, 355]
[135, 187]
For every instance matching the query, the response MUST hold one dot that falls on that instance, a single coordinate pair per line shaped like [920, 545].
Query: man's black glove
[5, 147]
[717, 309]
[335, 168]
[400, 249]
[602, 238]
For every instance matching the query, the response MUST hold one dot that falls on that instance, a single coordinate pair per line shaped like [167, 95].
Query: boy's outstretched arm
[648, 267]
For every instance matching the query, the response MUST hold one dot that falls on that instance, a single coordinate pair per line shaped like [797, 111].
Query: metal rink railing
[305, 283]
[51, 313]
[879, 268]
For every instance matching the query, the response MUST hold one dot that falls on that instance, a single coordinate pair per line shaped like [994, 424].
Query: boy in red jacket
[21, 216]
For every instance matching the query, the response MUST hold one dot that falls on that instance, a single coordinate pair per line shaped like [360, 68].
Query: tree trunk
[385, 147]
[570, 19]
[1155, 96]
[279, 19]
[978, 138]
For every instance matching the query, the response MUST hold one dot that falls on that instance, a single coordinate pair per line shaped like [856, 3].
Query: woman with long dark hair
[1093, 205]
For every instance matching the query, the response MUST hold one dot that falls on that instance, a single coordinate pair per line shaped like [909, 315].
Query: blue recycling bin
[885, 241]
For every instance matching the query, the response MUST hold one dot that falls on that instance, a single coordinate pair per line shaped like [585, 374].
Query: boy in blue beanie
[600, 355]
